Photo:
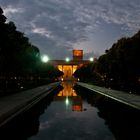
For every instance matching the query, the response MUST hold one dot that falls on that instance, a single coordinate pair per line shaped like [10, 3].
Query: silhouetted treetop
[18, 56]
[2, 17]
[120, 65]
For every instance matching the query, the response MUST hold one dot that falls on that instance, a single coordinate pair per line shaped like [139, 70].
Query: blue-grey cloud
[58, 26]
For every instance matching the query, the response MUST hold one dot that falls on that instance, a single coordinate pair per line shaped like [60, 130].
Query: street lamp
[67, 59]
[91, 59]
[44, 58]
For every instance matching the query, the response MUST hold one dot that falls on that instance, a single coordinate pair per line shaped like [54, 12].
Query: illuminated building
[68, 67]
[77, 54]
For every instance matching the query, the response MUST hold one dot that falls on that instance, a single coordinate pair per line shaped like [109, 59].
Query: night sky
[57, 27]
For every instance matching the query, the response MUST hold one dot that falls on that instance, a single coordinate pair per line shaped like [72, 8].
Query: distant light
[67, 59]
[91, 59]
[62, 79]
[44, 58]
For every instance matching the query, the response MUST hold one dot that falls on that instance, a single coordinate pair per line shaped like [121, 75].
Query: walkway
[120, 96]
[12, 105]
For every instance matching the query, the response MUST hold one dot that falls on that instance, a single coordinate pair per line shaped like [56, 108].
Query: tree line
[20, 61]
[118, 68]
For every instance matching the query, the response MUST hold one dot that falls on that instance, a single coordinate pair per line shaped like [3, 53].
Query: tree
[2, 17]
[121, 64]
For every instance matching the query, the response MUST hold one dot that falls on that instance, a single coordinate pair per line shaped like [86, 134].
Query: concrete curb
[11, 106]
[120, 96]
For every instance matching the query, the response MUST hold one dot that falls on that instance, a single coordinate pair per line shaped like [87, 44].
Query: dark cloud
[9, 2]
[58, 26]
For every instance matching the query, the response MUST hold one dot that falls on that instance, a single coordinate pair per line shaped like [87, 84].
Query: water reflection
[74, 114]
[69, 95]
[123, 121]
[26, 124]
[70, 117]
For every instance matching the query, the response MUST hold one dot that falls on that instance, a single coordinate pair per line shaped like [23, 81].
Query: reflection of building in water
[77, 104]
[70, 66]
[70, 97]
[67, 90]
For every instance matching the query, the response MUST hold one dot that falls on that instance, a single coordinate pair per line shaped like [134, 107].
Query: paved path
[120, 96]
[12, 105]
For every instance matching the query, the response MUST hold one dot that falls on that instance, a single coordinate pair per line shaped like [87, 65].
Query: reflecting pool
[69, 117]
[74, 113]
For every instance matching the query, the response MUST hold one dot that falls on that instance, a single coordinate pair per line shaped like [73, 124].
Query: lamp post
[44, 59]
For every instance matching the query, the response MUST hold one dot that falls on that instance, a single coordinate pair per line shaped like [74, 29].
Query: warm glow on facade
[77, 54]
[60, 67]
[69, 66]
[68, 70]
[74, 68]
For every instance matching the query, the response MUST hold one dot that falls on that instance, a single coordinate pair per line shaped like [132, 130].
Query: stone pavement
[120, 96]
[12, 105]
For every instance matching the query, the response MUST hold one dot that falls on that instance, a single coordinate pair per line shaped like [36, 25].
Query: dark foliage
[119, 67]
[20, 62]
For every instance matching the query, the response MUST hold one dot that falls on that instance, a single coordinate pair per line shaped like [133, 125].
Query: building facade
[68, 67]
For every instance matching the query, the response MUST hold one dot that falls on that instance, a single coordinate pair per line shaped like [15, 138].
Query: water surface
[74, 113]
[69, 117]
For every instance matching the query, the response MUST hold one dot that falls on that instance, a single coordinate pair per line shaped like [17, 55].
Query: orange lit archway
[68, 71]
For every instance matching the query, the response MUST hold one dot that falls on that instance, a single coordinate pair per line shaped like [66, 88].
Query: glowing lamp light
[67, 101]
[91, 59]
[44, 58]
[67, 59]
